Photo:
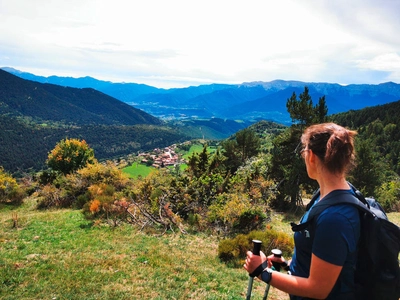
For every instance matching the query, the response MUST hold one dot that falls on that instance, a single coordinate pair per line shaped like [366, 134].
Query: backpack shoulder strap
[333, 198]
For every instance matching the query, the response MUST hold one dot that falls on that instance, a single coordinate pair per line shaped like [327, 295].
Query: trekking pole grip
[256, 247]
[276, 253]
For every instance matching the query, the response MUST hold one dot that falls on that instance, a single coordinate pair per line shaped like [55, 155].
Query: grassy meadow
[138, 169]
[57, 254]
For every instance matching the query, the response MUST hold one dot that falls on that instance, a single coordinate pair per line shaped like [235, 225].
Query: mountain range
[250, 101]
[50, 102]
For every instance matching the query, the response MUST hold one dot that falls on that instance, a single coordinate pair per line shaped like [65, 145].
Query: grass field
[137, 169]
[197, 148]
[58, 254]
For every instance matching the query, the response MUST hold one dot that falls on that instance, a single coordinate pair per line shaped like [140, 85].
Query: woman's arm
[318, 285]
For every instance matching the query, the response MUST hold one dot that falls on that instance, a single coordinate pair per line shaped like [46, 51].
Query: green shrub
[47, 177]
[10, 191]
[81, 200]
[70, 155]
[233, 251]
[388, 195]
[236, 213]
[250, 219]
[197, 222]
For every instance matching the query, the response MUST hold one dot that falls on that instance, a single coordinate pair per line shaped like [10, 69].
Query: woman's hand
[280, 260]
[253, 261]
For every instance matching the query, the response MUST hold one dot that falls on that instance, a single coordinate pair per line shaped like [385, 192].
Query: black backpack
[377, 274]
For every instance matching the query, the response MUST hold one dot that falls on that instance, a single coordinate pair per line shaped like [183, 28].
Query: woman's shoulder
[340, 212]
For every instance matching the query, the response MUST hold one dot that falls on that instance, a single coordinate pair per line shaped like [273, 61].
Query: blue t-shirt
[334, 240]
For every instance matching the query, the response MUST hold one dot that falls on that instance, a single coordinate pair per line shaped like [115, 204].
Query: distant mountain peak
[11, 70]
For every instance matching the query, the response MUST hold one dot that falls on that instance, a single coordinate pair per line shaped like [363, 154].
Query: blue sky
[178, 43]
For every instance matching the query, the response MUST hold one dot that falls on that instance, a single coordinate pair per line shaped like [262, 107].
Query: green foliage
[47, 176]
[10, 191]
[246, 144]
[236, 213]
[388, 195]
[302, 110]
[369, 172]
[233, 251]
[70, 155]
[250, 219]
[288, 168]
[378, 147]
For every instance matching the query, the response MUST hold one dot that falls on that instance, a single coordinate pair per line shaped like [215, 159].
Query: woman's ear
[311, 156]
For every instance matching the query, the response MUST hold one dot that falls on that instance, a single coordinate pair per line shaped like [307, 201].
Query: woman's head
[332, 144]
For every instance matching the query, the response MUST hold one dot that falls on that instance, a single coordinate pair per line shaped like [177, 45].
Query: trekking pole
[276, 266]
[256, 251]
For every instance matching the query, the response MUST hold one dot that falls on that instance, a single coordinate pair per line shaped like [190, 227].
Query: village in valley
[160, 158]
[167, 157]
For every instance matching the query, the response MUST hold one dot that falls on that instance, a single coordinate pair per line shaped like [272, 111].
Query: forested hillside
[53, 103]
[25, 147]
[379, 129]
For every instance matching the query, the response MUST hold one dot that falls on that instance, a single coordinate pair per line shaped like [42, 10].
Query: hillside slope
[48, 102]
[24, 147]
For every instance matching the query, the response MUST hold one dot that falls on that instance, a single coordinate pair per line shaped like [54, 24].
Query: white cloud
[185, 42]
[386, 62]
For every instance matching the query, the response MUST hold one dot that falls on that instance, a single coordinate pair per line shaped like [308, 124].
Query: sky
[180, 43]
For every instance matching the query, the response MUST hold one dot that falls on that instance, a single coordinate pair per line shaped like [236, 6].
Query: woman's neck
[331, 182]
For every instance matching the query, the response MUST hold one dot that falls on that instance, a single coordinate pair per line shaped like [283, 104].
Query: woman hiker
[323, 268]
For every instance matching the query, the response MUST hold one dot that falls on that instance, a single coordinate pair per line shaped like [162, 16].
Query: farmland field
[137, 169]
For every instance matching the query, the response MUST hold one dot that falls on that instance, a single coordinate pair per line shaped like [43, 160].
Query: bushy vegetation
[10, 191]
[233, 250]
[215, 193]
[70, 155]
